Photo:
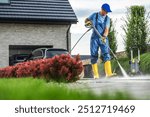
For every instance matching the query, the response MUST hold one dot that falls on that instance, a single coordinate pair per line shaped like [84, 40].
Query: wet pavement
[139, 87]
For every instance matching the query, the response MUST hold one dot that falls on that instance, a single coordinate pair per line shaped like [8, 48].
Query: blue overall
[100, 22]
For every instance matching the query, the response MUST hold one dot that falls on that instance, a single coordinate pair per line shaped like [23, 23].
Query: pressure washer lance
[79, 40]
[100, 36]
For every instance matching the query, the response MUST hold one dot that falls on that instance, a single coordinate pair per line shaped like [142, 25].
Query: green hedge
[63, 68]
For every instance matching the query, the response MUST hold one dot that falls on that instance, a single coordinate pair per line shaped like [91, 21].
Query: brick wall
[30, 34]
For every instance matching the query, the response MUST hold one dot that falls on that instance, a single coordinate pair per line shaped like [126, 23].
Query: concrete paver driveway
[137, 86]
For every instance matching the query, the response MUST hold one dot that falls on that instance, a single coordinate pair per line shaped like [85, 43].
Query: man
[102, 23]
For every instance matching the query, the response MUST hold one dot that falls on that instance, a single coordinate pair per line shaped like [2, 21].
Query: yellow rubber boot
[108, 70]
[95, 71]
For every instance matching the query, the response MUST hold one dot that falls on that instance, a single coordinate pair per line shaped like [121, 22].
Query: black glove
[88, 24]
[103, 39]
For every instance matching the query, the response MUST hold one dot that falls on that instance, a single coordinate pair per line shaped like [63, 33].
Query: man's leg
[106, 57]
[94, 57]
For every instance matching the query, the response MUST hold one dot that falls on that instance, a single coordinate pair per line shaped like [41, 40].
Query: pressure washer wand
[113, 54]
[79, 40]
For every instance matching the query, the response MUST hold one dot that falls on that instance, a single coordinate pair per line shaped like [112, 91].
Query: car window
[52, 53]
[37, 54]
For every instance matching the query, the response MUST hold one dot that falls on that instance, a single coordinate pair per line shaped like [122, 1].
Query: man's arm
[86, 20]
[89, 19]
[106, 32]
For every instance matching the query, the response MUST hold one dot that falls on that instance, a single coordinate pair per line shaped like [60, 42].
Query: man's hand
[88, 23]
[103, 39]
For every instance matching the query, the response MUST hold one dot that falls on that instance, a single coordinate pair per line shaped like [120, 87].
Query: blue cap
[106, 7]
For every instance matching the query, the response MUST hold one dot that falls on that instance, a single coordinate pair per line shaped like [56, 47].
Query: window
[4, 1]
[52, 53]
[37, 54]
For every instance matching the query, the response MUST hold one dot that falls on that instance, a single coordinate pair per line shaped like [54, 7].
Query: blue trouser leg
[94, 46]
[105, 51]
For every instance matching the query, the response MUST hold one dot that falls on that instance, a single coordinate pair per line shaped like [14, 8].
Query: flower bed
[61, 68]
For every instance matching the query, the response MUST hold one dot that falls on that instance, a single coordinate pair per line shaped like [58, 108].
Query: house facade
[26, 25]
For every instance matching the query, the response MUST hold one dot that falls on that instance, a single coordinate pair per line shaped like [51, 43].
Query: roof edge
[37, 21]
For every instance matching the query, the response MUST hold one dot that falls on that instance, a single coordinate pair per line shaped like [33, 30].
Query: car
[17, 58]
[42, 53]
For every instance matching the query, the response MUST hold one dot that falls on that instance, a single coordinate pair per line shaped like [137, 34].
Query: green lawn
[145, 63]
[37, 89]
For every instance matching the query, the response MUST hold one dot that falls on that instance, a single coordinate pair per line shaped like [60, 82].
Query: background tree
[136, 29]
[112, 37]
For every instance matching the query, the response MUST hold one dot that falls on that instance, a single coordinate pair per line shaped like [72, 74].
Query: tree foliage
[136, 29]
[112, 37]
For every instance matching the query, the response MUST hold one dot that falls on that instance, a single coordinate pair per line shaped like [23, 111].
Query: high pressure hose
[79, 40]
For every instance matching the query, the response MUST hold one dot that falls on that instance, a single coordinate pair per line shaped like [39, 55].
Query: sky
[84, 8]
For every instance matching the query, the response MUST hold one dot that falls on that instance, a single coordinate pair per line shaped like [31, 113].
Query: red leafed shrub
[59, 68]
